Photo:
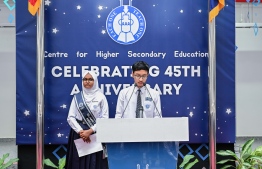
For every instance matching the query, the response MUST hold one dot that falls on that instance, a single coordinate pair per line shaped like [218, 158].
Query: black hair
[140, 65]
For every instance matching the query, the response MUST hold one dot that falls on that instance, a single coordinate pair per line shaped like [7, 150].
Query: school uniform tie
[138, 104]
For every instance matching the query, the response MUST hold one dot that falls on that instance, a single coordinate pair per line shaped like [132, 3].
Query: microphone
[129, 100]
[144, 84]
[141, 109]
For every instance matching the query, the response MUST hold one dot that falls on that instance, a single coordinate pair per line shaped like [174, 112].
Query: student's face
[140, 77]
[88, 81]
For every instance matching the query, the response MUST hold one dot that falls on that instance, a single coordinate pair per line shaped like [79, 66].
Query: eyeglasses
[88, 80]
[138, 76]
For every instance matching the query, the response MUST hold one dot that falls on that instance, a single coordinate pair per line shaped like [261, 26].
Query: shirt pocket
[149, 108]
[95, 108]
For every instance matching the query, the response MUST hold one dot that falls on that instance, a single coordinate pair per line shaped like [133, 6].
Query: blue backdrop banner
[108, 37]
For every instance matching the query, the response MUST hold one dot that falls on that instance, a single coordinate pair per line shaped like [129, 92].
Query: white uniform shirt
[98, 106]
[150, 111]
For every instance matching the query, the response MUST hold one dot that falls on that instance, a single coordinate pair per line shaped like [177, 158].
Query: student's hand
[85, 135]
[87, 140]
[81, 134]
[81, 131]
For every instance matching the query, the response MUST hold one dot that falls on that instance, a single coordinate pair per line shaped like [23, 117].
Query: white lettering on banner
[75, 90]
[81, 54]
[68, 71]
[106, 88]
[103, 71]
[195, 54]
[140, 31]
[56, 73]
[56, 55]
[177, 88]
[107, 54]
[110, 89]
[151, 54]
[177, 71]
[167, 89]
[154, 71]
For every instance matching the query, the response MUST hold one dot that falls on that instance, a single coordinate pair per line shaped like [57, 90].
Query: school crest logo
[126, 24]
[81, 106]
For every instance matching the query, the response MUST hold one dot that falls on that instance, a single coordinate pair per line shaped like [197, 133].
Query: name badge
[148, 99]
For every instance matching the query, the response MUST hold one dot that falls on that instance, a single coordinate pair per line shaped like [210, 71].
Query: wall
[248, 82]
[8, 83]
[7, 70]
[248, 69]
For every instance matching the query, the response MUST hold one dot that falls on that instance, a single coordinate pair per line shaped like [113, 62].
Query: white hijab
[90, 94]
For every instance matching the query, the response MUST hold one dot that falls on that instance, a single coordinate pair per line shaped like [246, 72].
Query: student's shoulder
[125, 90]
[100, 94]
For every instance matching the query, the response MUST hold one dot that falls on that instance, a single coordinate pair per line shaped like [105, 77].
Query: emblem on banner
[126, 24]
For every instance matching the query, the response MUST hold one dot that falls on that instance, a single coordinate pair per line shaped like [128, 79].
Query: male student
[139, 100]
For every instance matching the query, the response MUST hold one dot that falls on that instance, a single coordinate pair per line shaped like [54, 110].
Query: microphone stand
[129, 100]
[153, 101]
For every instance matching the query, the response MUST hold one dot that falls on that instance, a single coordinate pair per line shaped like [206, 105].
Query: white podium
[142, 143]
[142, 130]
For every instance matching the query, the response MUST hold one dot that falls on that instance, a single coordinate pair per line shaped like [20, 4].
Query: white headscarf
[89, 94]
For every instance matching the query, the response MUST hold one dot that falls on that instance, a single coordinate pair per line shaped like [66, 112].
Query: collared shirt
[127, 100]
[98, 106]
